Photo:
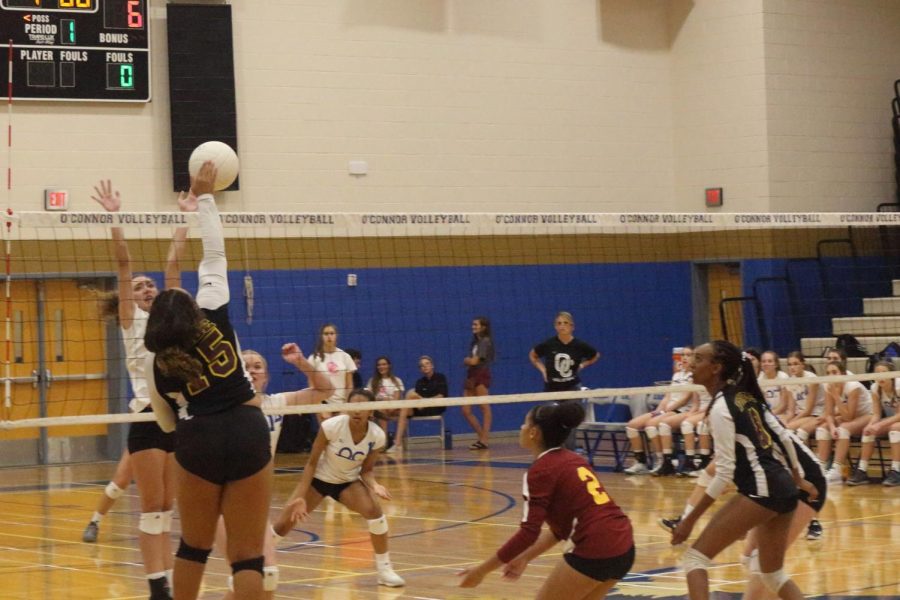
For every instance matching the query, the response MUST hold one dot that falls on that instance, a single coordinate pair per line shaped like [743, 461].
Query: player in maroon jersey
[562, 489]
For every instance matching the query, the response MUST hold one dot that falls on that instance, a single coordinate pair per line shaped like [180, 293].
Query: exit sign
[714, 197]
[56, 199]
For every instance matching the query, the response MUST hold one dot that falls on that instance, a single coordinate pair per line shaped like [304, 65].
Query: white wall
[830, 69]
[513, 105]
[719, 104]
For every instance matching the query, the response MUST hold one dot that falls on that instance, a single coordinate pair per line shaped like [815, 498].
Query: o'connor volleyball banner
[94, 225]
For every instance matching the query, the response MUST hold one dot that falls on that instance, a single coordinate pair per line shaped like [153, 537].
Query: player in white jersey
[848, 409]
[153, 467]
[321, 388]
[806, 401]
[341, 466]
[885, 421]
[335, 363]
[770, 371]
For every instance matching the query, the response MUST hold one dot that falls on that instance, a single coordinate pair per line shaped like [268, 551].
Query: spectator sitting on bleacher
[650, 422]
[776, 396]
[697, 440]
[848, 409]
[837, 354]
[806, 402]
[430, 385]
[885, 421]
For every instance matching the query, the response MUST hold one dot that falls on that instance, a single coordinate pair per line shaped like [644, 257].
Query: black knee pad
[251, 564]
[186, 552]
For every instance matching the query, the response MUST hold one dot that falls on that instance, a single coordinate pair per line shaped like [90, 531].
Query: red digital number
[135, 16]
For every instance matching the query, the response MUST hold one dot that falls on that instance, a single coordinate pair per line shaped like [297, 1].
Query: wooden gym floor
[449, 509]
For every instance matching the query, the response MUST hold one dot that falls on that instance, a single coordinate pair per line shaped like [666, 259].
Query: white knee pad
[703, 428]
[693, 560]
[270, 578]
[822, 434]
[843, 434]
[112, 491]
[894, 436]
[687, 428]
[775, 580]
[651, 432]
[167, 521]
[151, 523]
[803, 435]
[867, 439]
[665, 430]
[378, 526]
[704, 479]
[632, 434]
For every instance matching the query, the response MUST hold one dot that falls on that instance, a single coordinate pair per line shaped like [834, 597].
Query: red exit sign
[55, 199]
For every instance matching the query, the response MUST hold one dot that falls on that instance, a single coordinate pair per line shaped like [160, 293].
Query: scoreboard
[76, 50]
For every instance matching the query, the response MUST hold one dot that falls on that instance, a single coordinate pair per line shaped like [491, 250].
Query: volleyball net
[409, 284]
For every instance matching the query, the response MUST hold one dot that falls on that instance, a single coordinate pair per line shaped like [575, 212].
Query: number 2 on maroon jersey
[593, 485]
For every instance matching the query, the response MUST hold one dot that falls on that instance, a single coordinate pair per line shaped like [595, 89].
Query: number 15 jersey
[224, 383]
[562, 489]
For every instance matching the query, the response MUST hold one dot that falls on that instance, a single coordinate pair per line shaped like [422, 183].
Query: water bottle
[448, 439]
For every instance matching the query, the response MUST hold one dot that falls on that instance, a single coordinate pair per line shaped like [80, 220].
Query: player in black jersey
[745, 455]
[222, 436]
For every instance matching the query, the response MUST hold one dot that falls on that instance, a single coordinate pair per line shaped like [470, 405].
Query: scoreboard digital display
[77, 50]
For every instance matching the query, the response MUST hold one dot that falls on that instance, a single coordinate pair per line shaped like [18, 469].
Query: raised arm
[187, 202]
[109, 199]
[212, 292]
[320, 388]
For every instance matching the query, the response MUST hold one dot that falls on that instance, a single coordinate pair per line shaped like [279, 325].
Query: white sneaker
[834, 477]
[637, 468]
[388, 577]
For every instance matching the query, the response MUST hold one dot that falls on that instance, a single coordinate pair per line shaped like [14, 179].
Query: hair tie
[745, 356]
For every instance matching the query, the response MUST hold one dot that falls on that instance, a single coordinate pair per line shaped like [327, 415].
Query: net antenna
[7, 358]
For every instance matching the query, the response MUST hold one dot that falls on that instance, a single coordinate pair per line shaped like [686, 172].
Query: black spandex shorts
[330, 489]
[226, 446]
[147, 435]
[779, 505]
[817, 480]
[602, 569]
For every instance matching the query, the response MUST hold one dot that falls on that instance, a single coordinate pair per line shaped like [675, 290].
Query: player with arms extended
[561, 489]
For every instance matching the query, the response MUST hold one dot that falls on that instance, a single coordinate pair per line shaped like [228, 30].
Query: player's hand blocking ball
[204, 181]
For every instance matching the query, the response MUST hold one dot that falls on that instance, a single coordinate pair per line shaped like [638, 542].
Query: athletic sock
[96, 518]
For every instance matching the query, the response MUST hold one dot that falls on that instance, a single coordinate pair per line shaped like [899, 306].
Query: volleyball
[222, 155]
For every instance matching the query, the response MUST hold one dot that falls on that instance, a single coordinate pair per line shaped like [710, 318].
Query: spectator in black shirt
[561, 358]
[430, 385]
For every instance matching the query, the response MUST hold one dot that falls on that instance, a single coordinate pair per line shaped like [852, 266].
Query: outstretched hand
[107, 197]
[381, 491]
[293, 511]
[470, 577]
[204, 182]
[187, 202]
[291, 353]
[514, 568]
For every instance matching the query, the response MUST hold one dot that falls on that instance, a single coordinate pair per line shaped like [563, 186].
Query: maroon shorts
[476, 376]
